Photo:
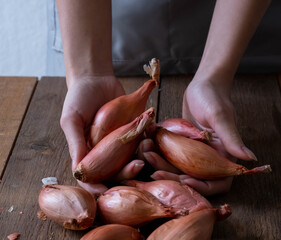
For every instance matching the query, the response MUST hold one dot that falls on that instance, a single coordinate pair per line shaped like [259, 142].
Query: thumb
[226, 129]
[74, 132]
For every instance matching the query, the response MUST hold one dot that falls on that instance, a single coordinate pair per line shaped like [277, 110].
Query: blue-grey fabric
[55, 58]
[174, 31]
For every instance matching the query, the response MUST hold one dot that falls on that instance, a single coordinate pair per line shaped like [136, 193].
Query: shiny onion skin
[198, 159]
[182, 198]
[122, 110]
[196, 226]
[185, 128]
[72, 207]
[130, 206]
[113, 151]
[112, 232]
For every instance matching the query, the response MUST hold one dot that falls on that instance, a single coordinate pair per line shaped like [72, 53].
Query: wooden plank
[15, 95]
[171, 95]
[40, 151]
[255, 200]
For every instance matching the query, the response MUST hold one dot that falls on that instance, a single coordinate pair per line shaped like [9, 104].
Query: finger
[225, 127]
[185, 109]
[145, 145]
[164, 175]
[159, 163]
[150, 130]
[130, 171]
[95, 189]
[74, 132]
[208, 188]
[217, 144]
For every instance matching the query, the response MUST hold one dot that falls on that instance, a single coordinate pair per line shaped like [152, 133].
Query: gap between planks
[15, 96]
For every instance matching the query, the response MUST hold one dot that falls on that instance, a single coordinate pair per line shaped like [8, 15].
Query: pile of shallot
[118, 205]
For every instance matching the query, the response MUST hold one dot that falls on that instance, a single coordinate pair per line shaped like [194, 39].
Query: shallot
[185, 128]
[131, 206]
[72, 207]
[113, 231]
[182, 198]
[198, 159]
[113, 151]
[196, 226]
[123, 109]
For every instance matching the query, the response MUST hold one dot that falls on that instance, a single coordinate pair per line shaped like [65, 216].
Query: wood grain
[171, 94]
[255, 200]
[40, 151]
[15, 94]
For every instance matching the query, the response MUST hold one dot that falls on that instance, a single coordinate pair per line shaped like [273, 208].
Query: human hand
[83, 99]
[208, 106]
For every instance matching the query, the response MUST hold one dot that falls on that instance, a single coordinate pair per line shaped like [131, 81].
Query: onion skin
[121, 111]
[182, 198]
[112, 232]
[185, 128]
[198, 159]
[72, 207]
[113, 151]
[130, 206]
[196, 226]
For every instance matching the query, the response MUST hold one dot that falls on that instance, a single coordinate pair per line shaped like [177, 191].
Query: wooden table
[33, 147]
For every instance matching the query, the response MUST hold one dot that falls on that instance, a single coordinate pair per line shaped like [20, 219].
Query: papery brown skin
[182, 198]
[131, 206]
[112, 232]
[185, 128]
[120, 111]
[108, 157]
[196, 226]
[198, 159]
[13, 236]
[72, 207]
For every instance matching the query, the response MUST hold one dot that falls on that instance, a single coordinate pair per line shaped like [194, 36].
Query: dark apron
[175, 31]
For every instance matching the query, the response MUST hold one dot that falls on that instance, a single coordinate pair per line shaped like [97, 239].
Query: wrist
[220, 75]
[86, 67]
[88, 77]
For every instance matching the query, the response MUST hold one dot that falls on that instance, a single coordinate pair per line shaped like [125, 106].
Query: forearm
[86, 34]
[233, 24]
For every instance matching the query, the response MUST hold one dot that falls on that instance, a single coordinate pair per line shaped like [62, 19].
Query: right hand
[83, 99]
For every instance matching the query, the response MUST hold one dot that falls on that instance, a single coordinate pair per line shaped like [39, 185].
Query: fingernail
[181, 181]
[182, 178]
[249, 153]
[148, 157]
[147, 145]
[156, 177]
[138, 167]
